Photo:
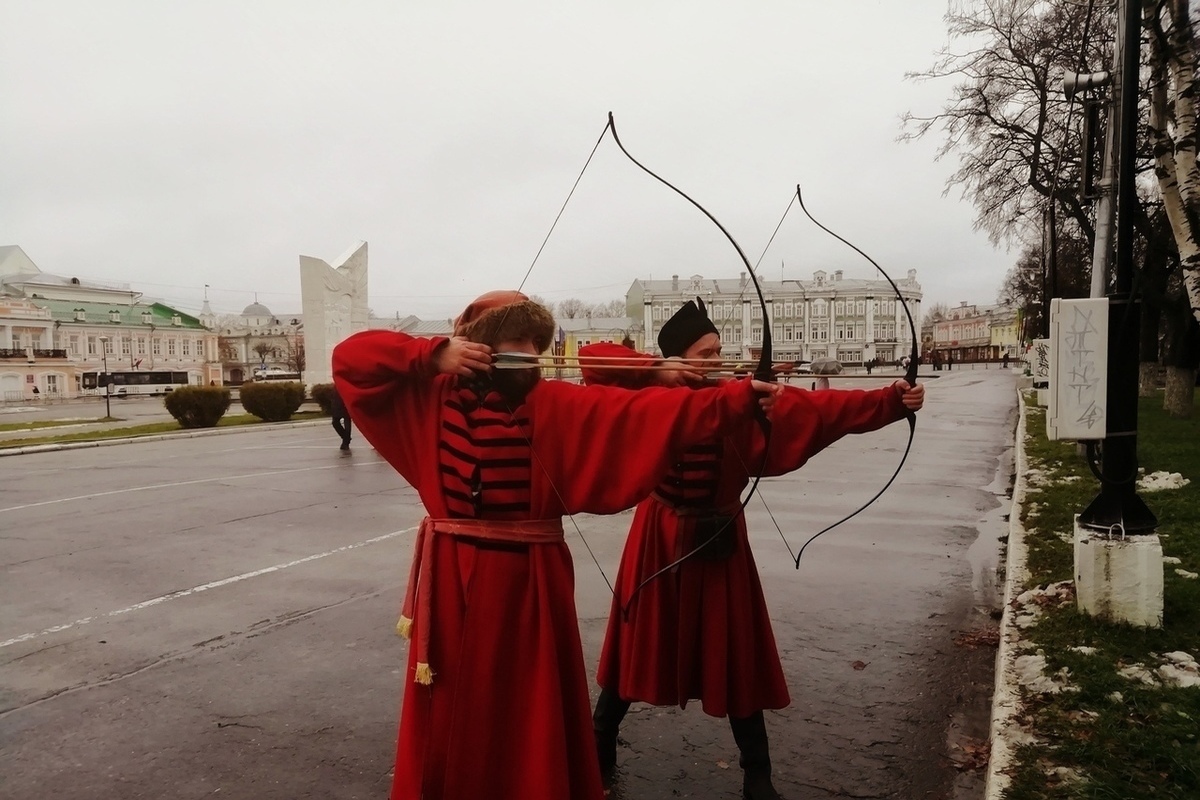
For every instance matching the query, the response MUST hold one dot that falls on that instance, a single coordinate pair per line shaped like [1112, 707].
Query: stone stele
[335, 306]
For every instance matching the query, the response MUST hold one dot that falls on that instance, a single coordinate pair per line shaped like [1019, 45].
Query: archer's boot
[606, 721]
[750, 733]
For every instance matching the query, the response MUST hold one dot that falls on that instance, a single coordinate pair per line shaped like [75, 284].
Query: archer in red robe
[702, 631]
[496, 697]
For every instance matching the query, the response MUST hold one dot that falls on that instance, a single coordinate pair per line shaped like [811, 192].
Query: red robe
[507, 714]
[702, 631]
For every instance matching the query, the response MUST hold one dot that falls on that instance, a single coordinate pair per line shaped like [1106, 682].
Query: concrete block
[1119, 579]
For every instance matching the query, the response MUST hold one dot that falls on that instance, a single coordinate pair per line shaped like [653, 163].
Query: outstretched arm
[639, 371]
[609, 447]
[806, 422]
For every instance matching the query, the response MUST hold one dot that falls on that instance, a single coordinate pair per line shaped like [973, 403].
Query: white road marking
[184, 483]
[202, 588]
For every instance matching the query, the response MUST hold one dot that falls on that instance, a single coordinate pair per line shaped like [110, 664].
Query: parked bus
[136, 381]
[275, 374]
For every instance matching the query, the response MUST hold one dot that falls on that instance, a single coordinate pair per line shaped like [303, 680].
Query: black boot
[750, 733]
[606, 721]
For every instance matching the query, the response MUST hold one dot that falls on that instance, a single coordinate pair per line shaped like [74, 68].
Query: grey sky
[170, 145]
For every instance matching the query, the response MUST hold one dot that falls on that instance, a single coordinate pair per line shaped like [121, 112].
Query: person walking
[341, 418]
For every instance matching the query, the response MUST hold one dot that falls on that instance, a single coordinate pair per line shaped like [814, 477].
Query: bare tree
[1007, 120]
[572, 308]
[609, 308]
[263, 350]
[293, 354]
[936, 312]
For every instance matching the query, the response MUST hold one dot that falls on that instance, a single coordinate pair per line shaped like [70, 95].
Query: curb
[157, 437]
[1005, 732]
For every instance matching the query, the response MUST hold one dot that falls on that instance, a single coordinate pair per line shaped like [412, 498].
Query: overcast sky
[175, 144]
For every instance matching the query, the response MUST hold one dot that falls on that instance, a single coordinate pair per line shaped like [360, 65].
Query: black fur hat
[685, 328]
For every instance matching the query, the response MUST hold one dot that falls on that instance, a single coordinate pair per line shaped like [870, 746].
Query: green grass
[148, 430]
[1145, 744]
[49, 423]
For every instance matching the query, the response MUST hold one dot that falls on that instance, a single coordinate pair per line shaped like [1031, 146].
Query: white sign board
[1039, 362]
[1078, 406]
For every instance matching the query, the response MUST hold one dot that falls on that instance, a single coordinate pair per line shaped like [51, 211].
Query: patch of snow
[1138, 672]
[1171, 560]
[1159, 481]
[1183, 573]
[1066, 774]
[1071, 479]
[1180, 657]
[1177, 676]
[1031, 675]
[1087, 651]
[1117, 697]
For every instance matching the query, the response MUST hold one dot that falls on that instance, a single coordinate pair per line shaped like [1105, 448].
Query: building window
[125, 345]
[51, 384]
[74, 345]
[91, 345]
[157, 346]
[187, 347]
[108, 347]
[141, 345]
[170, 347]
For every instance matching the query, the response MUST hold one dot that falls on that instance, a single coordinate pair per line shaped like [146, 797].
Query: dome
[256, 309]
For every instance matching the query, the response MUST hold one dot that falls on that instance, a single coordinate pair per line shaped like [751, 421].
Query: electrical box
[1078, 407]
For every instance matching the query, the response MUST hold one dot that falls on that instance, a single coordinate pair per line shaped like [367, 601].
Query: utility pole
[1118, 508]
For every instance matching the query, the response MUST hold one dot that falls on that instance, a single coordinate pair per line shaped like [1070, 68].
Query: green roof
[98, 313]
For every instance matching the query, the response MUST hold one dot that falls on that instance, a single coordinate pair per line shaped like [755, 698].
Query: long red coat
[702, 631]
[507, 714]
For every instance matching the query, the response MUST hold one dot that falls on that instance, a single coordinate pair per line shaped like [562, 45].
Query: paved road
[212, 617]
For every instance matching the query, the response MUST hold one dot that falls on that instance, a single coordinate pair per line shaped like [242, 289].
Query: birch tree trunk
[1179, 397]
[1173, 131]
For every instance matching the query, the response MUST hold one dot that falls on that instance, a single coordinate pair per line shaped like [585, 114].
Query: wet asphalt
[213, 617]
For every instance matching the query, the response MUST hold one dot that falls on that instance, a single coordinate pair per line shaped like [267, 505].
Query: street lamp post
[107, 377]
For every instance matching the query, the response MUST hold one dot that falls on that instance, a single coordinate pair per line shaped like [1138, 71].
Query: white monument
[335, 306]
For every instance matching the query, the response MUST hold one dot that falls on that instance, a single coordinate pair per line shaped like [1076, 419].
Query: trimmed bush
[322, 394]
[272, 401]
[197, 406]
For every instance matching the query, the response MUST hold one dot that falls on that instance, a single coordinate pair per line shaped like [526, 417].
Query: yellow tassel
[424, 674]
[404, 627]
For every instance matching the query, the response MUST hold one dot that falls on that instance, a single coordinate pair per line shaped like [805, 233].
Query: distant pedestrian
[341, 419]
[949, 361]
[1005, 360]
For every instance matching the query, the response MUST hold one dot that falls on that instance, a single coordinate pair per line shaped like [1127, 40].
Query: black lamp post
[1118, 504]
[107, 377]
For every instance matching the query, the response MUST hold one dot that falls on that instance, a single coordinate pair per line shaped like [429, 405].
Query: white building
[256, 339]
[849, 319]
[81, 326]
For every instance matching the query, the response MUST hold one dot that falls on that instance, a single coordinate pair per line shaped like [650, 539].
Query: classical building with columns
[831, 316]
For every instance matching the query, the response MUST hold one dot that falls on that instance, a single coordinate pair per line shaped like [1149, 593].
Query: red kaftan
[702, 631]
[507, 714]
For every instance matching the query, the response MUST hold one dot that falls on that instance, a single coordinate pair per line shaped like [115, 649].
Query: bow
[910, 374]
[762, 372]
